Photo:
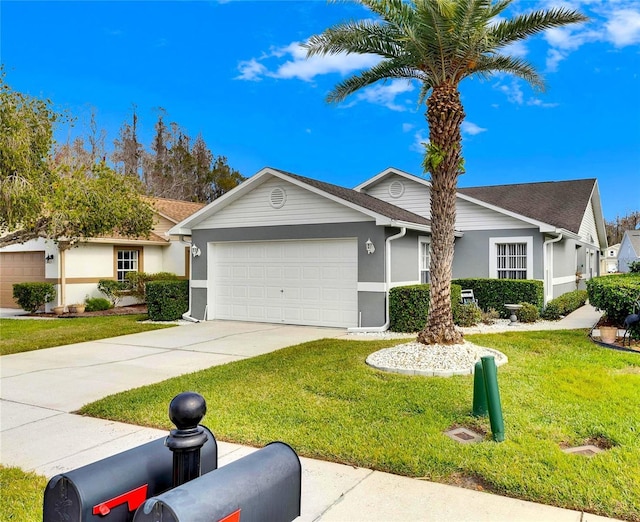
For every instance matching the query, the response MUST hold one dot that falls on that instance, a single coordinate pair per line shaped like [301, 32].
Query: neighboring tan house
[76, 271]
[609, 261]
[629, 250]
[283, 248]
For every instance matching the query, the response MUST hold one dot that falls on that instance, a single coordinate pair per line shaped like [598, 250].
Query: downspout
[387, 285]
[187, 315]
[548, 279]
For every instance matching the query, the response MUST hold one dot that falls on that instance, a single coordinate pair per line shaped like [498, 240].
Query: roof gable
[382, 212]
[559, 203]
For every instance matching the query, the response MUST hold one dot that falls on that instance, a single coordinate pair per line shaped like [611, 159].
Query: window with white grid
[425, 259]
[126, 261]
[511, 260]
[511, 257]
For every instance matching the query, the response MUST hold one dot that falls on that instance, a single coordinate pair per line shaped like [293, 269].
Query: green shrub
[528, 313]
[167, 300]
[495, 293]
[136, 282]
[32, 296]
[615, 295]
[114, 290]
[634, 267]
[97, 304]
[468, 315]
[490, 316]
[551, 312]
[409, 306]
[564, 305]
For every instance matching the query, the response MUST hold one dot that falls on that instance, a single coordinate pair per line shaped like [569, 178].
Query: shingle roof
[174, 209]
[634, 239]
[558, 203]
[362, 200]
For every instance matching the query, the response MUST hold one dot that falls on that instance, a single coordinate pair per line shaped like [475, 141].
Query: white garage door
[293, 282]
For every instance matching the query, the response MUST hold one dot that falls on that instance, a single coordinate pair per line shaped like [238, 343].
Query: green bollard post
[493, 397]
[480, 408]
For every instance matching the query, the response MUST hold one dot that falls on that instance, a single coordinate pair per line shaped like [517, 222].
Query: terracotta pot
[58, 310]
[608, 334]
[78, 308]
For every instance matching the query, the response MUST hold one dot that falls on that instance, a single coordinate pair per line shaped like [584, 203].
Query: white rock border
[432, 360]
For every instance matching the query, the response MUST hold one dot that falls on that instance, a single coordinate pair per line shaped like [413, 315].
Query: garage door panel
[19, 267]
[293, 282]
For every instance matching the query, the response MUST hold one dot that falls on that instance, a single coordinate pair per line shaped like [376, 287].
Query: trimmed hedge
[409, 306]
[564, 304]
[32, 296]
[495, 293]
[167, 300]
[136, 282]
[615, 295]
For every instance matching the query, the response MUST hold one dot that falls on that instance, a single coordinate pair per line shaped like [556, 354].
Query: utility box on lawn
[264, 486]
[111, 489]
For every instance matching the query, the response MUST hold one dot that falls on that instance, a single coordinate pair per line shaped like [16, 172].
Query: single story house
[283, 248]
[75, 272]
[629, 250]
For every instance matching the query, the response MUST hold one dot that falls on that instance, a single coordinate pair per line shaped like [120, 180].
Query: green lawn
[558, 389]
[21, 494]
[23, 335]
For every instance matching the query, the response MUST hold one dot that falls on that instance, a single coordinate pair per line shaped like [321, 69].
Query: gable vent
[278, 197]
[396, 189]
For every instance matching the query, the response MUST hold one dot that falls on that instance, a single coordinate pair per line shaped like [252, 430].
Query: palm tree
[438, 43]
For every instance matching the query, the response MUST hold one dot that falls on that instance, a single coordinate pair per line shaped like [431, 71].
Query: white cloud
[536, 102]
[385, 94]
[471, 128]
[623, 28]
[298, 66]
[517, 49]
[419, 141]
[406, 127]
[554, 57]
[251, 70]
[513, 92]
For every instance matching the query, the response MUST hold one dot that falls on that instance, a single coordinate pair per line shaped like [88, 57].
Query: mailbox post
[186, 411]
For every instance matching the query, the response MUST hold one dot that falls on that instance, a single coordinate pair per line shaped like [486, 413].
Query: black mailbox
[264, 486]
[111, 489]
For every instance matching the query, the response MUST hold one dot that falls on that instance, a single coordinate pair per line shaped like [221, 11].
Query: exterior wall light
[370, 246]
[195, 251]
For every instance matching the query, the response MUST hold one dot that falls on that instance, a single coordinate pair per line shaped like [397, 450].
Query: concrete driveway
[67, 377]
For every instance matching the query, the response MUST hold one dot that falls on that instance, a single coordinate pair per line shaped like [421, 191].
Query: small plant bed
[624, 343]
[136, 309]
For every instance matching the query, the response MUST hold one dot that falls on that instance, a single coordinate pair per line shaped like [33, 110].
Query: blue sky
[234, 71]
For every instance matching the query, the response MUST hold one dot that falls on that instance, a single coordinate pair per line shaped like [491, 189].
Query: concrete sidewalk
[39, 390]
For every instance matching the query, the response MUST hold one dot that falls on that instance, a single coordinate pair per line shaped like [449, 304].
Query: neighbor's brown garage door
[18, 267]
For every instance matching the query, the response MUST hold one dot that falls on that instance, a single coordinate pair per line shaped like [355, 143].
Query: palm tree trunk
[445, 114]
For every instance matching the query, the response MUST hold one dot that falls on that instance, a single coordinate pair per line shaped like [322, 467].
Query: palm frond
[385, 70]
[361, 37]
[523, 26]
[490, 65]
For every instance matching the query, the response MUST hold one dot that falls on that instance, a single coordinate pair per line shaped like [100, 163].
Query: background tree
[128, 151]
[57, 199]
[438, 43]
[616, 228]
[178, 168]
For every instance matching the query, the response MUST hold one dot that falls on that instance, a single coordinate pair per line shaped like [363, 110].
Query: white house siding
[588, 231]
[415, 197]
[174, 259]
[627, 253]
[161, 225]
[470, 216]
[301, 206]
